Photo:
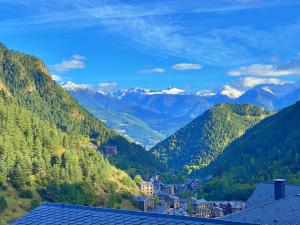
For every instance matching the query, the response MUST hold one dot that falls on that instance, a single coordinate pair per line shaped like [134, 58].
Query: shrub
[25, 194]
[3, 203]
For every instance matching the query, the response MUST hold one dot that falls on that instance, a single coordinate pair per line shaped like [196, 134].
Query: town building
[202, 213]
[146, 187]
[145, 204]
[201, 208]
[174, 202]
[199, 204]
[217, 212]
[170, 189]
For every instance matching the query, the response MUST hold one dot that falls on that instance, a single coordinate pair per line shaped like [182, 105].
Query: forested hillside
[201, 141]
[41, 162]
[269, 150]
[49, 144]
[27, 79]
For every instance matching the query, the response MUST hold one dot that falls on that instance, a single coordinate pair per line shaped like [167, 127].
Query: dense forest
[269, 150]
[49, 145]
[202, 140]
[43, 163]
[132, 158]
[27, 79]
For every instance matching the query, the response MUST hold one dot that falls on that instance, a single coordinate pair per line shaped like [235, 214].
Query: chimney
[279, 188]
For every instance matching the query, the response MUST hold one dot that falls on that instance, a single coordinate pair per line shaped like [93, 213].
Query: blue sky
[156, 44]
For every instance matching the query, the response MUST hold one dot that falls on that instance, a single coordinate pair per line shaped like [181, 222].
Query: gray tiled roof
[53, 214]
[264, 193]
[285, 211]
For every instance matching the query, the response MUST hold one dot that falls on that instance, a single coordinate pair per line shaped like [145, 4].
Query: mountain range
[148, 116]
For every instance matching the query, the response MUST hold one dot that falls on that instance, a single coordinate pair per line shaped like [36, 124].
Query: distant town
[165, 199]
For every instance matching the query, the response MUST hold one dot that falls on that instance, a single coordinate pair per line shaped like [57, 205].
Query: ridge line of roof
[272, 183]
[139, 213]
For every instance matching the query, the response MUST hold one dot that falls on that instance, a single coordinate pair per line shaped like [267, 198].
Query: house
[144, 203]
[237, 206]
[75, 215]
[169, 189]
[201, 208]
[199, 204]
[146, 187]
[271, 204]
[217, 212]
[174, 202]
[110, 150]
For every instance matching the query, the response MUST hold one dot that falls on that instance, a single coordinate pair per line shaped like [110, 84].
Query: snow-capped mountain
[148, 115]
[135, 92]
[237, 88]
[168, 91]
[70, 86]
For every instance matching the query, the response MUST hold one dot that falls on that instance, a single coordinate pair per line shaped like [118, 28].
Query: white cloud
[186, 66]
[107, 87]
[152, 71]
[75, 62]
[250, 82]
[155, 26]
[107, 84]
[56, 78]
[287, 69]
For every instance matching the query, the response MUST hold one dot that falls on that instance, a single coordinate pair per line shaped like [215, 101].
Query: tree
[137, 179]
[3, 203]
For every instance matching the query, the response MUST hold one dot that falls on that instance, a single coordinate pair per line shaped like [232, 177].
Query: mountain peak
[70, 86]
[231, 92]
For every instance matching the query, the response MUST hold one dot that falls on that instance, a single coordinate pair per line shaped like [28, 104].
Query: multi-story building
[144, 203]
[146, 187]
[174, 202]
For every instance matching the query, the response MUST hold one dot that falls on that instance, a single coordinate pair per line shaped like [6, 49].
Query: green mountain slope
[202, 140]
[27, 79]
[49, 145]
[40, 162]
[269, 150]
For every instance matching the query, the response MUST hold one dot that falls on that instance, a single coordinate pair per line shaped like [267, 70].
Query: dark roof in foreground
[71, 214]
[285, 211]
[264, 193]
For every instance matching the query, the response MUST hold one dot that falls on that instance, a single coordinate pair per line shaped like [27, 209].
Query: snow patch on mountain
[169, 91]
[231, 92]
[267, 89]
[70, 86]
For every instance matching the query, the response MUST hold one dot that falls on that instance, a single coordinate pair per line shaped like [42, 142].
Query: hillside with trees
[27, 79]
[202, 140]
[49, 145]
[267, 151]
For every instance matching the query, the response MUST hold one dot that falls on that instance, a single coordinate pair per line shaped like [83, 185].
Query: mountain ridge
[198, 143]
[267, 151]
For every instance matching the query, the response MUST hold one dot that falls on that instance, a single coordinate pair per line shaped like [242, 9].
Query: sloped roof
[140, 199]
[264, 193]
[285, 211]
[75, 215]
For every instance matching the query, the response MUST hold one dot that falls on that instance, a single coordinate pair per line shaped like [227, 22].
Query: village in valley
[171, 199]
